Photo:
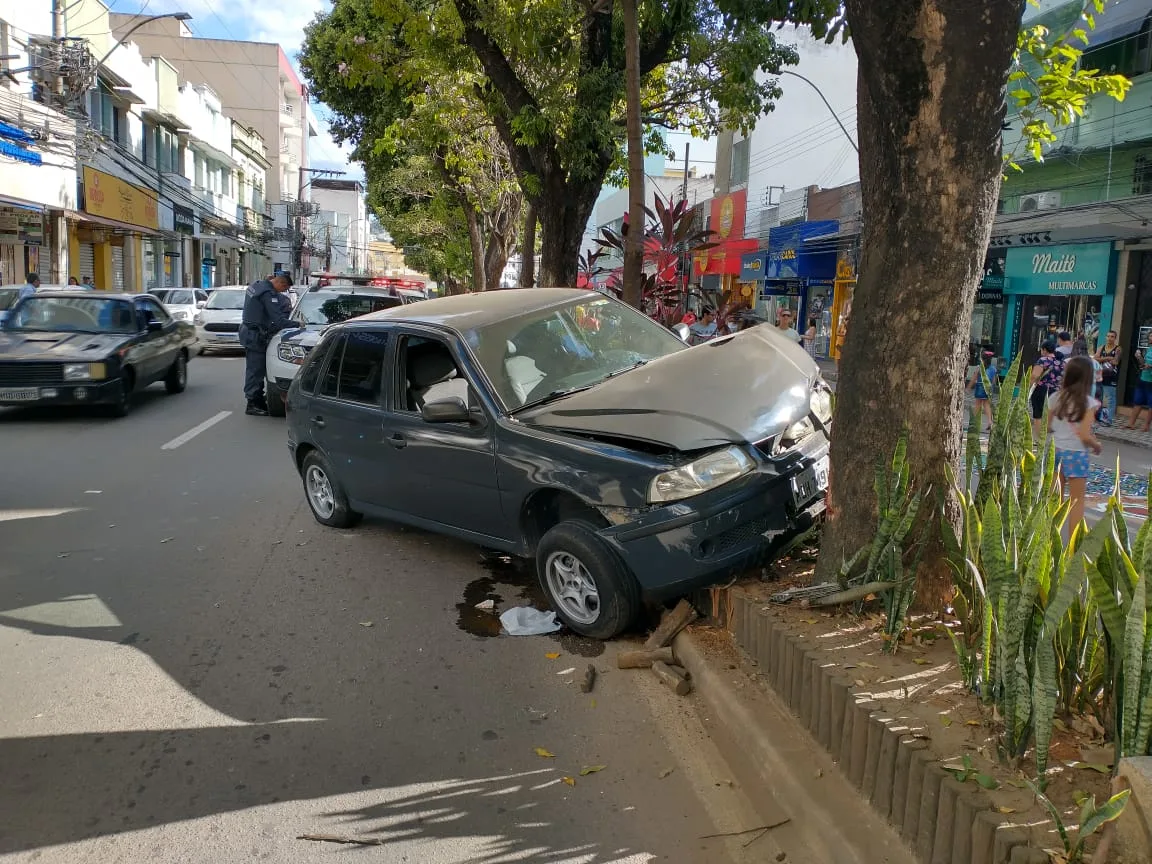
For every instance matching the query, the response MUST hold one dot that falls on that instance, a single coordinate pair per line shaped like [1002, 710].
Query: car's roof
[89, 294]
[467, 311]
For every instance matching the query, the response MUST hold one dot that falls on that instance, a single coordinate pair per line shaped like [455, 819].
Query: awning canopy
[1119, 20]
[19, 204]
[125, 227]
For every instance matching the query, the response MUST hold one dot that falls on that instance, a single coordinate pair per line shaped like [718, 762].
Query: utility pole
[684, 191]
[685, 261]
[57, 20]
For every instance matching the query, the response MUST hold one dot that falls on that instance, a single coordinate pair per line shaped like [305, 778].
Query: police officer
[263, 317]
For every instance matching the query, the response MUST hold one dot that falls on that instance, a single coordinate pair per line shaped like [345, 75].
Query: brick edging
[943, 821]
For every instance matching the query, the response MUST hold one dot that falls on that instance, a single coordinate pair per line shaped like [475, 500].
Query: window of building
[1142, 175]
[740, 156]
[1129, 56]
[149, 140]
[198, 178]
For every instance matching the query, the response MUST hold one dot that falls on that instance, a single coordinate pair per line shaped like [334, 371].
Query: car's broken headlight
[821, 403]
[707, 472]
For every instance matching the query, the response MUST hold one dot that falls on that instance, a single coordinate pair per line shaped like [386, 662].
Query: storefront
[718, 268]
[21, 243]
[987, 331]
[1048, 289]
[800, 275]
[108, 235]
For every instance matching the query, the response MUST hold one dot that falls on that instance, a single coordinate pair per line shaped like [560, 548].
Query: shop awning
[1119, 20]
[77, 216]
[20, 204]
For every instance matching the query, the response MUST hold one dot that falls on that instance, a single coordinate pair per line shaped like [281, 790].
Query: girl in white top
[1071, 410]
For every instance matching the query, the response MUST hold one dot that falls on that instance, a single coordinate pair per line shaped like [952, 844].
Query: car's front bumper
[212, 339]
[72, 393]
[719, 534]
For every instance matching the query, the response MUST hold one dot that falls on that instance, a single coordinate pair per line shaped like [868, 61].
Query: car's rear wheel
[275, 400]
[177, 378]
[325, 495]
[591, 590]
[123, 403]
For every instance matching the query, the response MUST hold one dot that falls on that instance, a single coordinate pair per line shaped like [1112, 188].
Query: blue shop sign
[796, 252]
[752, 266]
[1070, 268]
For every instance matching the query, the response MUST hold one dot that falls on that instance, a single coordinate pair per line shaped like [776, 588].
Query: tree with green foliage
[932, 105]
[431, 155]
[550, 76]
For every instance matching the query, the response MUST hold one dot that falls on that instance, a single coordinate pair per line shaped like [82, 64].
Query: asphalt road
[194, 670]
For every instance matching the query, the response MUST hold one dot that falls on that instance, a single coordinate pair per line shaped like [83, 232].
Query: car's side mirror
[155, 326]
[450, 410]
[200, 304]
[682, 331]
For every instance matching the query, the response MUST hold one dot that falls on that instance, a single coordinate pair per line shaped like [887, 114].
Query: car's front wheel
[325, 495]
[123, 403]
[591, 590]
[275, 400]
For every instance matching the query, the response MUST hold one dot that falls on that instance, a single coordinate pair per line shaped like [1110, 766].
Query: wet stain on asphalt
[479, 622]
[581, 646]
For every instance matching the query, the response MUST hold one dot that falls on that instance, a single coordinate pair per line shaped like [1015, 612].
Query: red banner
[724, 259]
[728, 216]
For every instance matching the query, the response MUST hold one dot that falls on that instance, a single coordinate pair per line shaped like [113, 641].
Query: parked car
[181, 303]
[80, 348]
[625, 462]
[8, 297]
[218, 323]
[316, 310]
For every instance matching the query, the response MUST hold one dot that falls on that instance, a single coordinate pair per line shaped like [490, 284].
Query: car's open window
[330, 378]
[427, 372]
[311, 371]
[362, 367]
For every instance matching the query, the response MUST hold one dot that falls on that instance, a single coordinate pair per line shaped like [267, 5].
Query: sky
[283, 21]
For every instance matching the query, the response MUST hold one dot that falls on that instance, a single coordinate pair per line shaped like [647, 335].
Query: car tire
[123, 404]
[325, 495]
[592, 591]
[275, 400]
[177, 378]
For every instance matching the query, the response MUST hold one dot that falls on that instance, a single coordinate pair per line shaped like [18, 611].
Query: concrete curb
[942, 820]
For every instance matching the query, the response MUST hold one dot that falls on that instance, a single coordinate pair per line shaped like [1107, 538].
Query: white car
[313, 313]
[181, 303]
[218, 323]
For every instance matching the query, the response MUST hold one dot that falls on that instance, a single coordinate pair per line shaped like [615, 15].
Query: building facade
[340, 230]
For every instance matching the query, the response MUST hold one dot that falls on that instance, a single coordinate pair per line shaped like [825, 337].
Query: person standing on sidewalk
[1108, 356]
[262, 318]
[1070, 415]
[1064, 344]
[810, 338]
[1142, 397]
[981, 398]
[1046, 377]
[30, 287]
[784, 324]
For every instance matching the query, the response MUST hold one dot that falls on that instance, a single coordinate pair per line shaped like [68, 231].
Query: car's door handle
[398, 441]
[318, 421]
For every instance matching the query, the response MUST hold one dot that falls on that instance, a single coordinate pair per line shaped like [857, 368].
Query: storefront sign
[991, 290]
[792, 256]
[752, 266]
[727, 212]
[1073, 268]
[111, 198]
[724, 259]
[183, 219]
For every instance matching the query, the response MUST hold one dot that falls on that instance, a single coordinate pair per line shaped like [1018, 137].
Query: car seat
[428, 364]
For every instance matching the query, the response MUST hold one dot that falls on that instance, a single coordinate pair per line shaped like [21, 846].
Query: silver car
[218, 323]
[181, 303]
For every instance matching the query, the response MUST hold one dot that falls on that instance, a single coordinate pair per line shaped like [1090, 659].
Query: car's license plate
[810, 482]
[20, 394]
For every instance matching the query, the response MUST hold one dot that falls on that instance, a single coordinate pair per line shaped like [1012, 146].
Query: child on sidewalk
[1070, 413]
[981, 398]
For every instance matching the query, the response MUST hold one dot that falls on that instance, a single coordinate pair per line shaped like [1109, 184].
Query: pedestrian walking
[784, 324]
[810, 338]
[1108, 356]
[262, 318]
[704, 328]
[981, 398]
[1046, 377]
[1070, 413]
[29, 287]
[1064, 344]
[1142, 396]
[72, 280]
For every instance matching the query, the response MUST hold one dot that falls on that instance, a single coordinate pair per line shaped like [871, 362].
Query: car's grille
[30, 374]
[222, 328]
[723, 543]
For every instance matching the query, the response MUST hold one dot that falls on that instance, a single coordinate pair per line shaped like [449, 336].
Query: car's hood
[741, 389]
[307, 336]
[221, 316]
[58, 347]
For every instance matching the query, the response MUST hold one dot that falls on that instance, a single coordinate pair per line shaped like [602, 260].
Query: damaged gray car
[564, 426]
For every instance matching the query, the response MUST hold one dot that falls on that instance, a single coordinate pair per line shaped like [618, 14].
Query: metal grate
[723, 543]
[30, 374]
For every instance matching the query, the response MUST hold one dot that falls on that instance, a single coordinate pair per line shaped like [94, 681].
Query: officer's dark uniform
[263, 317]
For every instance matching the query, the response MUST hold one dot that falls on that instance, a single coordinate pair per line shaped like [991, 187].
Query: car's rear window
[325, 308]
[175, 297]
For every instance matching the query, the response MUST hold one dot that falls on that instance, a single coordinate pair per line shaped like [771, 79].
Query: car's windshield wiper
[635, 365]
[553, 396]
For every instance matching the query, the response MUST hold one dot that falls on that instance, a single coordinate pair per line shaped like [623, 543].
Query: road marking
[11, 515]
[181, 440]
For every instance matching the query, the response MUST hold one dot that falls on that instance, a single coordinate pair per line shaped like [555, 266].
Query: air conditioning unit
[1039, 201]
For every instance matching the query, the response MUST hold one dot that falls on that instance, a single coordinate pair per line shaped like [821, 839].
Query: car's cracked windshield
[547, 354]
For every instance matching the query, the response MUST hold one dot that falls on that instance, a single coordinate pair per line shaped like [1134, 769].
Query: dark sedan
[76, 348]
[565, 426]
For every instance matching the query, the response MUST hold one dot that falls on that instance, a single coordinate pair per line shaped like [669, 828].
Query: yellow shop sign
[111, 198]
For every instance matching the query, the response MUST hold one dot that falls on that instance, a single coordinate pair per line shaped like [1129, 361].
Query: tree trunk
[502, 223]
[528, 249]
[633, 290]
[564, 210]
[931, 103]
[476, 245]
